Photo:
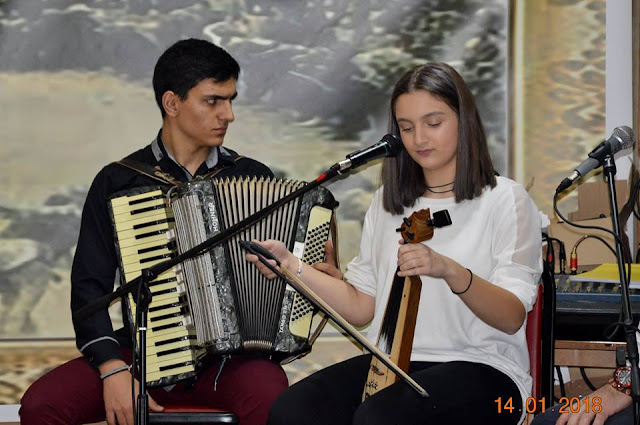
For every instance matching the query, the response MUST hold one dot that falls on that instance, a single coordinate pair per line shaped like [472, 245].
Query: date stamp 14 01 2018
[566, 405]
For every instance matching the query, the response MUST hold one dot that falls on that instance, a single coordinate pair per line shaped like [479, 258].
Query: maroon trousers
[72, 393]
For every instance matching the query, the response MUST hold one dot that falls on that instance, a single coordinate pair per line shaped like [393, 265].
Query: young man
[194, 83]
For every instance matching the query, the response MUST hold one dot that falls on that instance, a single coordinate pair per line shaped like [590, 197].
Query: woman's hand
[480, 296]
[280, 251]
[418, 259]
[354, 306]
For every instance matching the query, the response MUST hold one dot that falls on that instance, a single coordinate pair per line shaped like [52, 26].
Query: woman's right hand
[280, 251]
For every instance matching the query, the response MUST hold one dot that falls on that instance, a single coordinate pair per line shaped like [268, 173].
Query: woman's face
[429, 131]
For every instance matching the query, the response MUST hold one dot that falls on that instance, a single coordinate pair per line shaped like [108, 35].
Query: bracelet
[299, 272]
[114, 371]
[468, 286]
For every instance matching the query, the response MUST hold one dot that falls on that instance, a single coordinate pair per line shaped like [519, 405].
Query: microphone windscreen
[394, 143]
[625, 135]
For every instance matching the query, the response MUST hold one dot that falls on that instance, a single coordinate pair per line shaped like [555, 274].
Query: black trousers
[459, 393]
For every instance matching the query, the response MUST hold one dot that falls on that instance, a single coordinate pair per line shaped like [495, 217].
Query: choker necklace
[442, 185]
[429, 188]
[441, 191]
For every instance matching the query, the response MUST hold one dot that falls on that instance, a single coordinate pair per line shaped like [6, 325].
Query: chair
[540, 342]
[178, 415]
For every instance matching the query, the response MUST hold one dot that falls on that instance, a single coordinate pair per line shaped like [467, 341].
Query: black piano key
[147, 199]
[169, 245]
[167, 316]
[172, 340]
[156, 257]
[147, 209]
[175, 366]
[162, 307]
[153, 223]
[168, 326]
[148, 234]
[177, 350]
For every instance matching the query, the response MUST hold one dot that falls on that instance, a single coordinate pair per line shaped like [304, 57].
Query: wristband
[114, 371]
[468, 286]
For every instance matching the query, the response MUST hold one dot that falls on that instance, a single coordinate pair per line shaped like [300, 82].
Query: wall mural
[314, 86]
[75, 85]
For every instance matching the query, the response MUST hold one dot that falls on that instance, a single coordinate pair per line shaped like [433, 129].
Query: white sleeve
[360, 272]
[517, 246]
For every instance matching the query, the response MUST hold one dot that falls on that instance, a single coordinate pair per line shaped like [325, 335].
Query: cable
[550, 258]
[563, 393]
[634, 199]
[573, 264]
[562, 256]
[587, 380]
[626, 256]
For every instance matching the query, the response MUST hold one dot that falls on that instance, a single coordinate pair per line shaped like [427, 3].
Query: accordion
[218, 302]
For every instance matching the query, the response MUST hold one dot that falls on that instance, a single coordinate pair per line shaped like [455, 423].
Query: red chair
[540, 342]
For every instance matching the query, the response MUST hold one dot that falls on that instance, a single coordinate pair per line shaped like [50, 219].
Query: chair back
[534, 343]
[540, 339]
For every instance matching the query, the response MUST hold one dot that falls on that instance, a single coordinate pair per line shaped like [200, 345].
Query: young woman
[479, 275]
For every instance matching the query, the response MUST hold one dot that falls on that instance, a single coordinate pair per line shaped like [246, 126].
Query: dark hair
[184, 64]
[402, 177]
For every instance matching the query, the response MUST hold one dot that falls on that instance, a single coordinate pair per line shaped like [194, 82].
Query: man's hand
[117, 395]
[329, 266]
[611, 402]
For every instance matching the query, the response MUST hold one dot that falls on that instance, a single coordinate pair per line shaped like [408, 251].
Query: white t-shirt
[497, 236]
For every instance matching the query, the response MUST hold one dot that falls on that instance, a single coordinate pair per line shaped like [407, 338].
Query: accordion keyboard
[141, 223]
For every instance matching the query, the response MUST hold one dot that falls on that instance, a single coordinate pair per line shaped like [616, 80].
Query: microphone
[622, 138]
[388, 146]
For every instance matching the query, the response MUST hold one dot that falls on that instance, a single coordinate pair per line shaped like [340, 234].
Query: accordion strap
[212, 173]
[149, 170]
[155, 172]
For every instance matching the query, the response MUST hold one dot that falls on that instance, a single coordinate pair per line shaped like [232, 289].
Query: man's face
[203, 117]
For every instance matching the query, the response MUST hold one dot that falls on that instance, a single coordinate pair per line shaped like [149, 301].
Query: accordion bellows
[218, 302]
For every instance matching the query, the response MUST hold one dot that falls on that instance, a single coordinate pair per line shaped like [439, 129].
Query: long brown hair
[402, 177]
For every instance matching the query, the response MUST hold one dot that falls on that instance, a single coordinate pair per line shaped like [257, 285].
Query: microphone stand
[142, 310]
[151, 273]
[630, 330]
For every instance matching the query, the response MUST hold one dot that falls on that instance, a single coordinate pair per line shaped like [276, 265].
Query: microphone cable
[626, 257]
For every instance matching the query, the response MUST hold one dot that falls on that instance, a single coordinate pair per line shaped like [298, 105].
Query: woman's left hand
[419, 259]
